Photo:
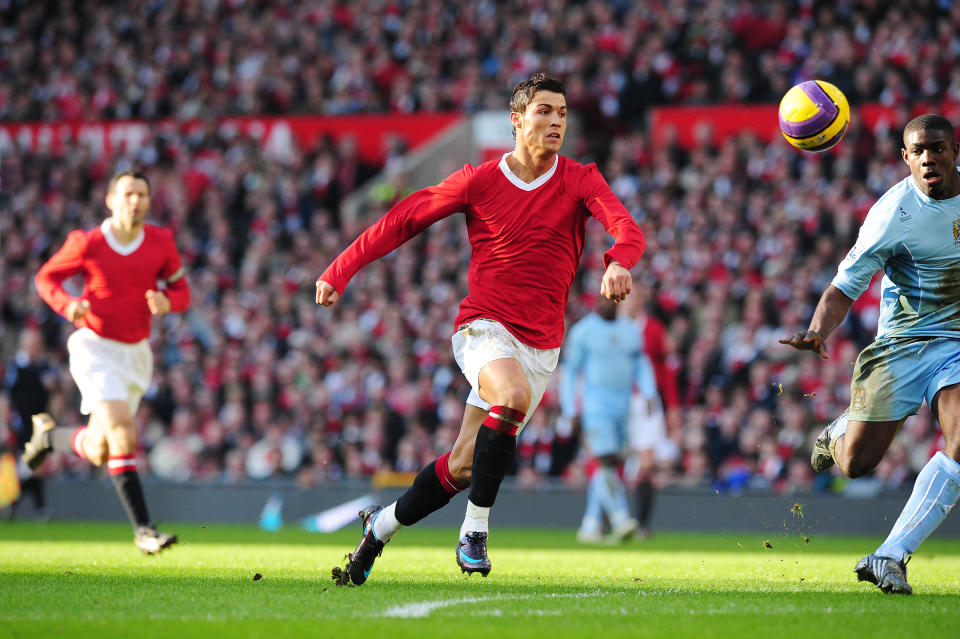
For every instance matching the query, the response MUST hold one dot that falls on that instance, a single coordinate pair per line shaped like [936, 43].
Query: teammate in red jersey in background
[526, 216]
[650, 423]
[121, 262]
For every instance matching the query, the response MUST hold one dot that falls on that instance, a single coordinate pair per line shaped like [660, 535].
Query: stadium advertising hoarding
[687, 124]
[372, 133]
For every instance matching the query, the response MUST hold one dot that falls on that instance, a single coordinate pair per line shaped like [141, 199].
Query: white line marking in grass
[424, 608]
[420, 609]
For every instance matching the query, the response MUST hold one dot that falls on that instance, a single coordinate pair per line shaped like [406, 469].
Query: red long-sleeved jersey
[654, 341]
[527, 240]
[116, 279]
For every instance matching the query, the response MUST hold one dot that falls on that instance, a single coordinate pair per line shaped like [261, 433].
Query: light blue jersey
[915, 239]
[609, 357]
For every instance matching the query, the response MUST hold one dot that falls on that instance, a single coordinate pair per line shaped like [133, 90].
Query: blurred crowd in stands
[256, 382]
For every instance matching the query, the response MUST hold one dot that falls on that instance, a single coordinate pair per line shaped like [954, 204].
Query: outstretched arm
[629, 242]
[402, 222]
[831, 309]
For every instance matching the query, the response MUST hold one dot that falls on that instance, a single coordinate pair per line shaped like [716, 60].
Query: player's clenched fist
[77, 309]
[616, 283]
[326, 294]
[158, 302]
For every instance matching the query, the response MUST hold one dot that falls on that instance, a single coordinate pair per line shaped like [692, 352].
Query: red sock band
[76, 442]
[504, 419]
[443, 474]
[121, 464]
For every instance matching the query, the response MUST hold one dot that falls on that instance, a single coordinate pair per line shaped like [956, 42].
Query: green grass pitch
[87, 579]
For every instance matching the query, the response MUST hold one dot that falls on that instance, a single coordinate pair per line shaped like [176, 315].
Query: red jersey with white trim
[116, 279]
[527, 240]
[654, 341]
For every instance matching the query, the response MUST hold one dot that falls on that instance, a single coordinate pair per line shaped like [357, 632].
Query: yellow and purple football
[814, 115]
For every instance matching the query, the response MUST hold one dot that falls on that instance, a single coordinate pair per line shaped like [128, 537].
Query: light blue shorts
[893, 376]
[604, 435]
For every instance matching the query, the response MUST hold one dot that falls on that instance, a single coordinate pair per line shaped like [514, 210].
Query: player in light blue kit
[913, 234]
[606, 352]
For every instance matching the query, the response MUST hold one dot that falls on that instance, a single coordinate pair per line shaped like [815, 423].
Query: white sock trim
[476, 519]
[385, 525]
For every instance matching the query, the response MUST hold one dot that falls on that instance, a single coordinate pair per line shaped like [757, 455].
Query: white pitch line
[420, 609]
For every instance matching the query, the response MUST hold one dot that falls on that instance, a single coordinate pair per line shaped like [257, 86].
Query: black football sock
[123, 472]
[645, 499]
[34, 486]
[493, 454]
[432, 489]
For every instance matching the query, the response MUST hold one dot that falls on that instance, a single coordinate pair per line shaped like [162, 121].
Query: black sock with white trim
[123, 472]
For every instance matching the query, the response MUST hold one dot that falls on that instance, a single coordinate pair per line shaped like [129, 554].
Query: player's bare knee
[516, 397]
[608, 461]
[123, 437]
[97, 454]
[857, 467]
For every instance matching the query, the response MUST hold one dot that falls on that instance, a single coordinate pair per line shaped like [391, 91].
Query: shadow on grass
[192, 533]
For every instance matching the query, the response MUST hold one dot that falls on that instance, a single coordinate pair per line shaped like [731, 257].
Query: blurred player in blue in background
[605, 353]
[913, 234]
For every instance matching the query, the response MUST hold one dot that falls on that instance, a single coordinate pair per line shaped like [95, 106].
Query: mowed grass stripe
[52, 582]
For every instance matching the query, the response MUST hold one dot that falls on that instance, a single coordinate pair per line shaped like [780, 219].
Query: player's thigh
[946, 406]
[864, 445]
[502, 381]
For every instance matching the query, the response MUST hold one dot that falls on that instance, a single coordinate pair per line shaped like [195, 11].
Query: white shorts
[107, 370]
[481, 341]
[646, 428]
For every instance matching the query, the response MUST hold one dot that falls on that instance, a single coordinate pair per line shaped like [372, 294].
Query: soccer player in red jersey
[648, 422]
[526, 216]
[121, 262]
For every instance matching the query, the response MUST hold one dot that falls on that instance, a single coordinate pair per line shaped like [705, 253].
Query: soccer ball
[814, 115]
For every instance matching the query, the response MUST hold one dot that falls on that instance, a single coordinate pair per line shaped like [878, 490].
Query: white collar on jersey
[122, 249]
[527, 186]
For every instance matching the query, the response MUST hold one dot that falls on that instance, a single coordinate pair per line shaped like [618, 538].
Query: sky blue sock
[593, 514]
[934, 493]
[619, 506]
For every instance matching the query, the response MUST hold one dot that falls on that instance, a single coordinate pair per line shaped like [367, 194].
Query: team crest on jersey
[956, 231]
[904, 216]
[859, 400]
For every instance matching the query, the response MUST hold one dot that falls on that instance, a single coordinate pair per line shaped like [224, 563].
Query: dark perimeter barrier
[550, 506]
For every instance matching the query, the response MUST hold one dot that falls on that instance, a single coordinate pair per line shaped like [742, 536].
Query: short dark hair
[928, 121]
[136, 175]
[523, 93]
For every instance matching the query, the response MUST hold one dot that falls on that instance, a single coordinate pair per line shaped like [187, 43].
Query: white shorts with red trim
[477, 343]
[646, 426]
[108, 370]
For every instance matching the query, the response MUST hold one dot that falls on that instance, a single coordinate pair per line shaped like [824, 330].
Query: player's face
[932, 158]
[129, 203]
[542, 126]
